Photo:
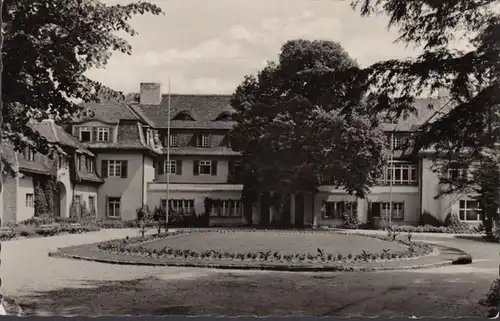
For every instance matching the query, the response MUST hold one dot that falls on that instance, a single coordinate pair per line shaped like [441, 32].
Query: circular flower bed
[147, 247]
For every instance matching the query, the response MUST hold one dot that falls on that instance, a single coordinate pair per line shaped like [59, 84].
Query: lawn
[256, 241]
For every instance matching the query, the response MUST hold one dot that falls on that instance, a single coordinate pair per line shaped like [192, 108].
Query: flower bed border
[135, 247]
[20, 232]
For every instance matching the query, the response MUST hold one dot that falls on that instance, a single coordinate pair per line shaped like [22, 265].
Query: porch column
[256, 209]
[292, 209]
[362, 210]
[316, 212]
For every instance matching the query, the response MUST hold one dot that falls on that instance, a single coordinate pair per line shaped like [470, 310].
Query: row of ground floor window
[226, 207]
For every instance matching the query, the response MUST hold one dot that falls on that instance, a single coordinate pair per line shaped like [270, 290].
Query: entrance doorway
[60, 198]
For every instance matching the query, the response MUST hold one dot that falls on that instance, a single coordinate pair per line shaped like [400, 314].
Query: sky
[208, 46]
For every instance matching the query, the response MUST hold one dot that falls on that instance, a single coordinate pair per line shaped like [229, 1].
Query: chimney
[150, 93]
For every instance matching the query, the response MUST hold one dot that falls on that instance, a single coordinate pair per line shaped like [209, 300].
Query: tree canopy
[468, 129]
[48, 46]
[300, 124]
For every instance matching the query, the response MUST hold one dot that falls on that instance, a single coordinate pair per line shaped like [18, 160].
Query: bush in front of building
[351, 220]
[428, 219]
[453, 222]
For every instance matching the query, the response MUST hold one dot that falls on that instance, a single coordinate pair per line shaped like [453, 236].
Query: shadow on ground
[272, 293]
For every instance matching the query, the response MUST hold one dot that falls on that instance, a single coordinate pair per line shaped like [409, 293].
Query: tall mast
[168, 157]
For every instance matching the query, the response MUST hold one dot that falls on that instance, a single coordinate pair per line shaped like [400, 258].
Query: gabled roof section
[57, 135]
[203, 108]
[427, 109]
[111, 112]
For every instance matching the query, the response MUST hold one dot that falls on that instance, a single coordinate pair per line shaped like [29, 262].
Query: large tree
[468, 130]
[48, 47]
[302, 123]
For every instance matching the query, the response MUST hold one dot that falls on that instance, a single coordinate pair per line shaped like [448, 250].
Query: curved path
[45, 285]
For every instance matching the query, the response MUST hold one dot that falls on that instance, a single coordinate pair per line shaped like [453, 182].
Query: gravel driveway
[44, 285]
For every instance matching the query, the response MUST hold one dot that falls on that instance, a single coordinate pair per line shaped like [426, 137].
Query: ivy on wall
[45, 190]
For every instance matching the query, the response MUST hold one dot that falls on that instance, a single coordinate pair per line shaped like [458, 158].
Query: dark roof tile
[203, 108]
[109, 112]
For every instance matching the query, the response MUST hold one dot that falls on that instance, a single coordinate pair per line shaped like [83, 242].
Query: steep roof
[109, 111]
[426, 108]
[57, 135]
[204, 108]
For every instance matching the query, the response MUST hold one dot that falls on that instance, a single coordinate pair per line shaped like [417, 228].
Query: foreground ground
[44, 285]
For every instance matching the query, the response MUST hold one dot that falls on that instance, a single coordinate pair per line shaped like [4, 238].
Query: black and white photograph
[250, 158]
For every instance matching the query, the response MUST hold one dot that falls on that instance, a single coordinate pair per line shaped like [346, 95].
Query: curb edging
[268, 267]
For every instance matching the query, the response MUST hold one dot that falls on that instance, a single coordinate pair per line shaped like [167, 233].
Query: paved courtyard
[44, 285]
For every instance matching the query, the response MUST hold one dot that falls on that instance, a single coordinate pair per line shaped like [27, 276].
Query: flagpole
[168, 158]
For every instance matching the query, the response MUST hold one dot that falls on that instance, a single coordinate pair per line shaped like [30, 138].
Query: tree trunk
[1, 104]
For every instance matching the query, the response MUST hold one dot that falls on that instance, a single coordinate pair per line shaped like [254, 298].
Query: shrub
[492, 298]
[428, 219]
[26, 230]
[351, 220]
[455, 224]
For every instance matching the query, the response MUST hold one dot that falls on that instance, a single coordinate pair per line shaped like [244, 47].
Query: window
[469, 210]
[396, 142]
[91, 203]
[170, 167]
[113, 207]
[179, 206]
[85, 134]
[398, 210]
[29, 154]
[457, 173]
[173, 139]
[102, 134]
[183, 115]
[226, 208]
[205, 167]
[30, 200]
[63, 162]
[79, 161]
[90, 165]
[331, 210]
[400, 174]
[205, 140]
[115, 168]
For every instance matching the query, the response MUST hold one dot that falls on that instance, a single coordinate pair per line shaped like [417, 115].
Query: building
[126, 142]
[71, 169]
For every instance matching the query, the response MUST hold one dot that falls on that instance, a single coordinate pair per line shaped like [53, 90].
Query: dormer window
[183, 115]
[102, 134]
[173, 139]
[85, 134]
[225, 116]
[90, 164]
[205, 140]
[63, 162]
[29, 154]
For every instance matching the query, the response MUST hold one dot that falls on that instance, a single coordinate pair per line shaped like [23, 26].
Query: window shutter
[232, 167]
[214, 168]
[209, 140]
[104, 168]
[196, 169]
[77, 132]
[124, 169]
[161, 166]
[179, 167]
[198, 140]
[107, 207]
[110, 138]
[94, 134]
